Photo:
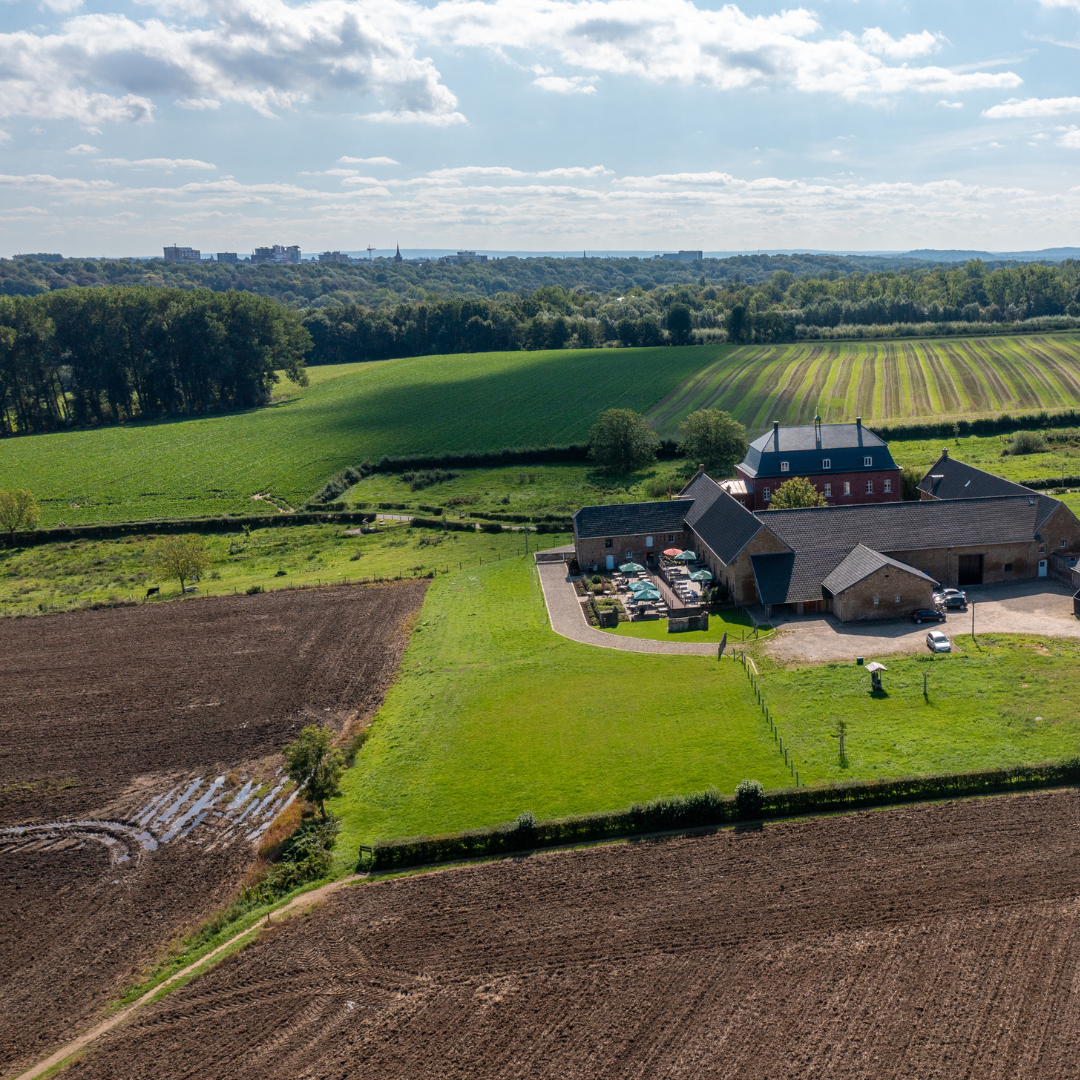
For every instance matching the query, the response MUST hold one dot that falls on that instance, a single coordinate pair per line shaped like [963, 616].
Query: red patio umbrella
[672, 552]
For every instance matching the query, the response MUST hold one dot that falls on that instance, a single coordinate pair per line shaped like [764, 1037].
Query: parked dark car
[951, 598]
[927, 615]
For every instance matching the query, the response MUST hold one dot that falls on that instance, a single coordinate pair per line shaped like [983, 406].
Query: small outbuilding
[869, 585]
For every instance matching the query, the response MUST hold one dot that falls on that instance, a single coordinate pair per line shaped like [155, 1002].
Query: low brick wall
[690, 622]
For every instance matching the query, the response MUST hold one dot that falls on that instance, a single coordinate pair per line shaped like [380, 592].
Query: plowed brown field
[930, 941]
[101, 710]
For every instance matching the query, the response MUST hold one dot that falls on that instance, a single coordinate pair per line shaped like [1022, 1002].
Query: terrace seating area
[670, 590]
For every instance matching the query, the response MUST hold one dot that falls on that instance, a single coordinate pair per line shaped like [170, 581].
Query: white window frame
[785, 466]
[766, 494]
[648, 541]
[828, 491]
[868, 461]
[888, 487]
[877, 600]
[869, 487]
[847, 487]
[826, 463]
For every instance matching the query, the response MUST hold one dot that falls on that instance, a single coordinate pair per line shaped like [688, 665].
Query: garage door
[970, 570]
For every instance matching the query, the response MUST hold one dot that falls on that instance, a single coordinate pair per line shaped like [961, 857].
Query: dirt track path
[566, 617]
[68, 1049]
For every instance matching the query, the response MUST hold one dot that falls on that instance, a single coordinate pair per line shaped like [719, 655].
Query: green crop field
[494, 714]
[1000, 700]
[888, 380]
[426, 404]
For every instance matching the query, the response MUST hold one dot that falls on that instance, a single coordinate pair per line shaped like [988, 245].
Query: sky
[127, 125]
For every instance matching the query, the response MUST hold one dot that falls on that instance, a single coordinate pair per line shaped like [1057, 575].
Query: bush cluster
[710, 808]
[423, 478]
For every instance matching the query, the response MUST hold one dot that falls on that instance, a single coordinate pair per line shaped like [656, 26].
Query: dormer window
[826, 463]
[868, 461]
[783, 466]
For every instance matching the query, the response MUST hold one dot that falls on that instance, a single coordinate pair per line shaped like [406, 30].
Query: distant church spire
[397, 255]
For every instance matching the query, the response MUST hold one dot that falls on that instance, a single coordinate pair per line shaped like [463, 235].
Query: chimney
[701, 468]
[776, 434]
[945, 452]
[858, 428]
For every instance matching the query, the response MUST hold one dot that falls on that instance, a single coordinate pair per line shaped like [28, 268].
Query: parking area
[1034, 607]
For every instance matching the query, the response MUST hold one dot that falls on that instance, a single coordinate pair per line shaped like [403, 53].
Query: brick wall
[755, 500]
[897, 594]
[633, 548]
[739, 576]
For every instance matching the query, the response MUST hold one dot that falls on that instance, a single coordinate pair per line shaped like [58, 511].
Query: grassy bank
[733, 623]
[1000, 700]
[425, 404]
[494, 714]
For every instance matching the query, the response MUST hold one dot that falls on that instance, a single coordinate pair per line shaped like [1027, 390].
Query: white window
[828, 491]
[783, 466]
[767, 493]
[868, 461]
[648, 541]
[826, 463]
[877, 599]
[629, 556]
[888, 486]
[896, 599]
[869, 487]
[847, 488]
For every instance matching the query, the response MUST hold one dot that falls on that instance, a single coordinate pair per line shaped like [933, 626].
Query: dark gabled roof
[860, 563]
[1046, 506]
[632, 519]
[952, 479]
[845, 445]
[792, 577]
[721, 522]
[909, 526]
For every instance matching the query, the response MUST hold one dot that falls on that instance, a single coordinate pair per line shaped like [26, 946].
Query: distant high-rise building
[277, 254]
[176, 254]
[227, 257]
[334, 257]
[464, 257]
[683, 256]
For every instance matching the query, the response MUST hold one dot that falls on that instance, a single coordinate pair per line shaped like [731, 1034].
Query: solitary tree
[17, 511]
[182, 557]
[679, 324]
[621, 441]
[315, 768]
[713, 438]
[796, 492]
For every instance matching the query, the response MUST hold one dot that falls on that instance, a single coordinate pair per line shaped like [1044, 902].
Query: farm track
[925, 941]
[147, 734]
[880, 380]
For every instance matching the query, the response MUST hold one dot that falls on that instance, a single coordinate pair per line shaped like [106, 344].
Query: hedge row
[110, 530]
[991, 425]
[710, 808]
[1050, 482]
[487, 526]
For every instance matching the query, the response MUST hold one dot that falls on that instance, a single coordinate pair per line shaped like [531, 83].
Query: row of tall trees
[103, 355]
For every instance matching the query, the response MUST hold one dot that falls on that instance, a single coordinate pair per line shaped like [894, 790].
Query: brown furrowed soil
[927, 941]
[139, 768]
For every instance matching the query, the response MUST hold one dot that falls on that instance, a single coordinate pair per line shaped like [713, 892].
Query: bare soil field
[139, 768]
[927, 941]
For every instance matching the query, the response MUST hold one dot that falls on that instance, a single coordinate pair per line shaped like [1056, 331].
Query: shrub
[1026, 442]
[491, 527]
[420, 479]
[254, 590]
[596, 579]
[749, 798]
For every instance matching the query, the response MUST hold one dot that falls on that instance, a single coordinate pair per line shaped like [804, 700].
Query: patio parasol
[672, 552]
[686, 556]
[632, 568]
[646, 594]
[701, 575]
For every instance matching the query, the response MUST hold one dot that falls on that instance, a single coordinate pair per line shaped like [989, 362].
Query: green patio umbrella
[701, 575]
[632, 568]
[686, 556]
[647, 594]
[637, 586]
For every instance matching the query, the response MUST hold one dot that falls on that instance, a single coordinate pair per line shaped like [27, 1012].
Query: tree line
[106, 355]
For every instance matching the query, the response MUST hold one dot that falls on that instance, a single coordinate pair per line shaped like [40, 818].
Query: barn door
[970, 570]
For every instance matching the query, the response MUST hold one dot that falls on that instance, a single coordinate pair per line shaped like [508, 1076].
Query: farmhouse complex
[861, 561]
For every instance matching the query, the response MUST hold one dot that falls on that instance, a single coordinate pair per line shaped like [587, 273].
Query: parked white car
[936, 641]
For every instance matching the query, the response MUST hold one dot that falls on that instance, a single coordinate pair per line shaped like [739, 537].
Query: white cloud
[5, 136]
[576, 84]
[879, 43]
[1070, 139]
[199, 104]
[62, 7]
[83, 148]
[367, 161]
[158, 163]
[950, 104]
[1074, 4]
[1029, 107]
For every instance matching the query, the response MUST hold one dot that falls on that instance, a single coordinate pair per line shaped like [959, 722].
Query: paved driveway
[1034, 607]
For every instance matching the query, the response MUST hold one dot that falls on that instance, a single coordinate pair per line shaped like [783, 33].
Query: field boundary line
[78, 1044]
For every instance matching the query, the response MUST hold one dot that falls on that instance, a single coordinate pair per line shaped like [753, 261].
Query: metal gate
[970, 570]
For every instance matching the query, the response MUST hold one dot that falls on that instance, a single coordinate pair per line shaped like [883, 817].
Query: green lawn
[735, 624]
[426, 404]
[984, 452]
[1003, 700]
[59, 576]
[880, 380]
[495, 714]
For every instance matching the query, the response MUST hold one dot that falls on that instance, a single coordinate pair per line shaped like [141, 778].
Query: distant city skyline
[538, 125]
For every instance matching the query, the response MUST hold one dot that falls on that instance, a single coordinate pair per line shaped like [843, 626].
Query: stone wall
[634, 548]
[691, 622]
[887, 593]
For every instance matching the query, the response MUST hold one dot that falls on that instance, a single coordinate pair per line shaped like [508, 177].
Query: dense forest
[91, 353]
[82, 356]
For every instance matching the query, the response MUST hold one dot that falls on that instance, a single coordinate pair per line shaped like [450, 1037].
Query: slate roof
[860, 563]
[952, 479]
[721, 522]
[632, 519]
[845, 445]
[788, 577]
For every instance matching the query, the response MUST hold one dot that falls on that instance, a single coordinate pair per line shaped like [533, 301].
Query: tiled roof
[909, 526]
[952, 479]
[790, 577]
[632, 519]
[721, 522]
[843, 445]
[860, 563]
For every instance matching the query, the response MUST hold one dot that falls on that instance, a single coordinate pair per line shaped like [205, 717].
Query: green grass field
[880, 380]
[216, 464]
[494, 714]
[985, 453]
[734, 623]
[1002, 700]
